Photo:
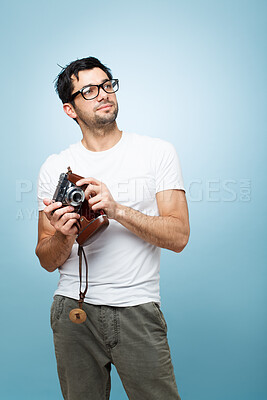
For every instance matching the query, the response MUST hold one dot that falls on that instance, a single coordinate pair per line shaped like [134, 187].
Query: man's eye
[108, 85]
[87, 90]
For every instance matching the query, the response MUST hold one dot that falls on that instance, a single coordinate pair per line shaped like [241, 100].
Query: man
[138, 183]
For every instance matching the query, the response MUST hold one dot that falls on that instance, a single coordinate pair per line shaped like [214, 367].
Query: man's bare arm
[56, 235]
[170, 230]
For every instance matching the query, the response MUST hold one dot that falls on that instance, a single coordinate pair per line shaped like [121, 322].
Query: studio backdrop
[192, 73]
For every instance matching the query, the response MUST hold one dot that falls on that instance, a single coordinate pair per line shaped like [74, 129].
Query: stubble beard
[99, 122]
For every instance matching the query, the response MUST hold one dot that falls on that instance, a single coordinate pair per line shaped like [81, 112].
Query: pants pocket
[160, 316]
[56, 309]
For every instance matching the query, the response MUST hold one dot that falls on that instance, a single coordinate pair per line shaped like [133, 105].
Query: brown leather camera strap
[81, 254]
[78, 315]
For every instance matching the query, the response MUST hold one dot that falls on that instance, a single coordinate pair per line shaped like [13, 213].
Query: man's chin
[103, 121]
[106, 119]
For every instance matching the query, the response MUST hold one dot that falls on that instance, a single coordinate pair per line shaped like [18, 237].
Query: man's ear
[69, 110]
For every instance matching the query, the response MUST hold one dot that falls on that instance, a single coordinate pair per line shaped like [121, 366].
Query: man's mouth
[104, 106]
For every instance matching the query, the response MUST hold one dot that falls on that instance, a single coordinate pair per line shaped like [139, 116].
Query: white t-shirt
[123, 269]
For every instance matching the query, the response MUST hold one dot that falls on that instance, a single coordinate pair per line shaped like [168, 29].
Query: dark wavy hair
[63, 82]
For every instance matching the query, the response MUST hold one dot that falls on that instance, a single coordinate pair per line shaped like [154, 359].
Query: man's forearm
[54, 250]
[166, 232]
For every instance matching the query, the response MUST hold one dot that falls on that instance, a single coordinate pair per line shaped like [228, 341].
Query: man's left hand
[99, 196]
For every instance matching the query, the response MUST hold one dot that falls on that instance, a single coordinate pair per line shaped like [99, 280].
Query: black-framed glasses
[90, 92]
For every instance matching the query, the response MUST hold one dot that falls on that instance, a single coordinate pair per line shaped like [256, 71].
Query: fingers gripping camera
[71, 195]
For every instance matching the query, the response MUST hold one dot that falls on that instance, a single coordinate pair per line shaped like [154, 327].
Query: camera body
[69, 194]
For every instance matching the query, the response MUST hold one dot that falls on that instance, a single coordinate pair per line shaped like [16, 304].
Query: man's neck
[101, 139]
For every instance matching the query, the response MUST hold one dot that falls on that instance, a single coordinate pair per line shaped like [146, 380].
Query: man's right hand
[63, 219]
[57, 230]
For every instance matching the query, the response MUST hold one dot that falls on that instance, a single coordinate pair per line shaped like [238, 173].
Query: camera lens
[75, 196]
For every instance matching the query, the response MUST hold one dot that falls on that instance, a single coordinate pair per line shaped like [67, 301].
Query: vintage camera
[68, 193]
[91, 222]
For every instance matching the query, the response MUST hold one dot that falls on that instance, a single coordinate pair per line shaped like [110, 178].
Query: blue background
[193, 73]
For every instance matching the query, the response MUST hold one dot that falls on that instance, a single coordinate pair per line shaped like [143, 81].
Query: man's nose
[102, 94]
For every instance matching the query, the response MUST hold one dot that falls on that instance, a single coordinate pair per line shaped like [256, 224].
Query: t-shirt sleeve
[47, 183]
[168, 168]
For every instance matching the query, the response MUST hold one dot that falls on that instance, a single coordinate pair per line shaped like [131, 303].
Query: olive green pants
[134, 339]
